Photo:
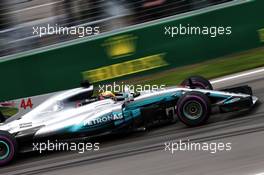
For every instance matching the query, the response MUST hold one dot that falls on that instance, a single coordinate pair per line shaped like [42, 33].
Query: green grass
[209, 69]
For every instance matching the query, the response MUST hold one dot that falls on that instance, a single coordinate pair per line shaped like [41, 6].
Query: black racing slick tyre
[197, 82]
[8, 148]
[193, 108]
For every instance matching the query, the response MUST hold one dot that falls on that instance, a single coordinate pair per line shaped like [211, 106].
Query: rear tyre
[193, 108]
[8, 148]
[197, 82]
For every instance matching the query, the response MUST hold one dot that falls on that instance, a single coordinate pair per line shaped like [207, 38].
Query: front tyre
[193, 108]
[197, 82]
[8, 148]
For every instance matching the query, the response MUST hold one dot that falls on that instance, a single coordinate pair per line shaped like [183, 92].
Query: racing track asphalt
[143, 153]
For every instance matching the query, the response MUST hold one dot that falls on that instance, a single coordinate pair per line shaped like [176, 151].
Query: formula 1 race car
[77, 113]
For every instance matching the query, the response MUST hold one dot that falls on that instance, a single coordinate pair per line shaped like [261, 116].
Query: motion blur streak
[17, 18]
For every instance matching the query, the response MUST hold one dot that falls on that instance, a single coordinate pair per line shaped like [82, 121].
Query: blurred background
[17, 17]
[140, 55]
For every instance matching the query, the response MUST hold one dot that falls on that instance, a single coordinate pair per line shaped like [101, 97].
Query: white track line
[243, 74]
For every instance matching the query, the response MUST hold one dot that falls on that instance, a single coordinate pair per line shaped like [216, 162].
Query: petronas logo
[120, 46]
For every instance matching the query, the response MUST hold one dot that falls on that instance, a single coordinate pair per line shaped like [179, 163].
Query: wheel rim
[4, 150]
[192, 110]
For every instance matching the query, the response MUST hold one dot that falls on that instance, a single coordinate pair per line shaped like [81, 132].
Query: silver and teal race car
[77, 113]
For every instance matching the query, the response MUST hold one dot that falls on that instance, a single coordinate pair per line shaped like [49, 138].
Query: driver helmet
[106, 95]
